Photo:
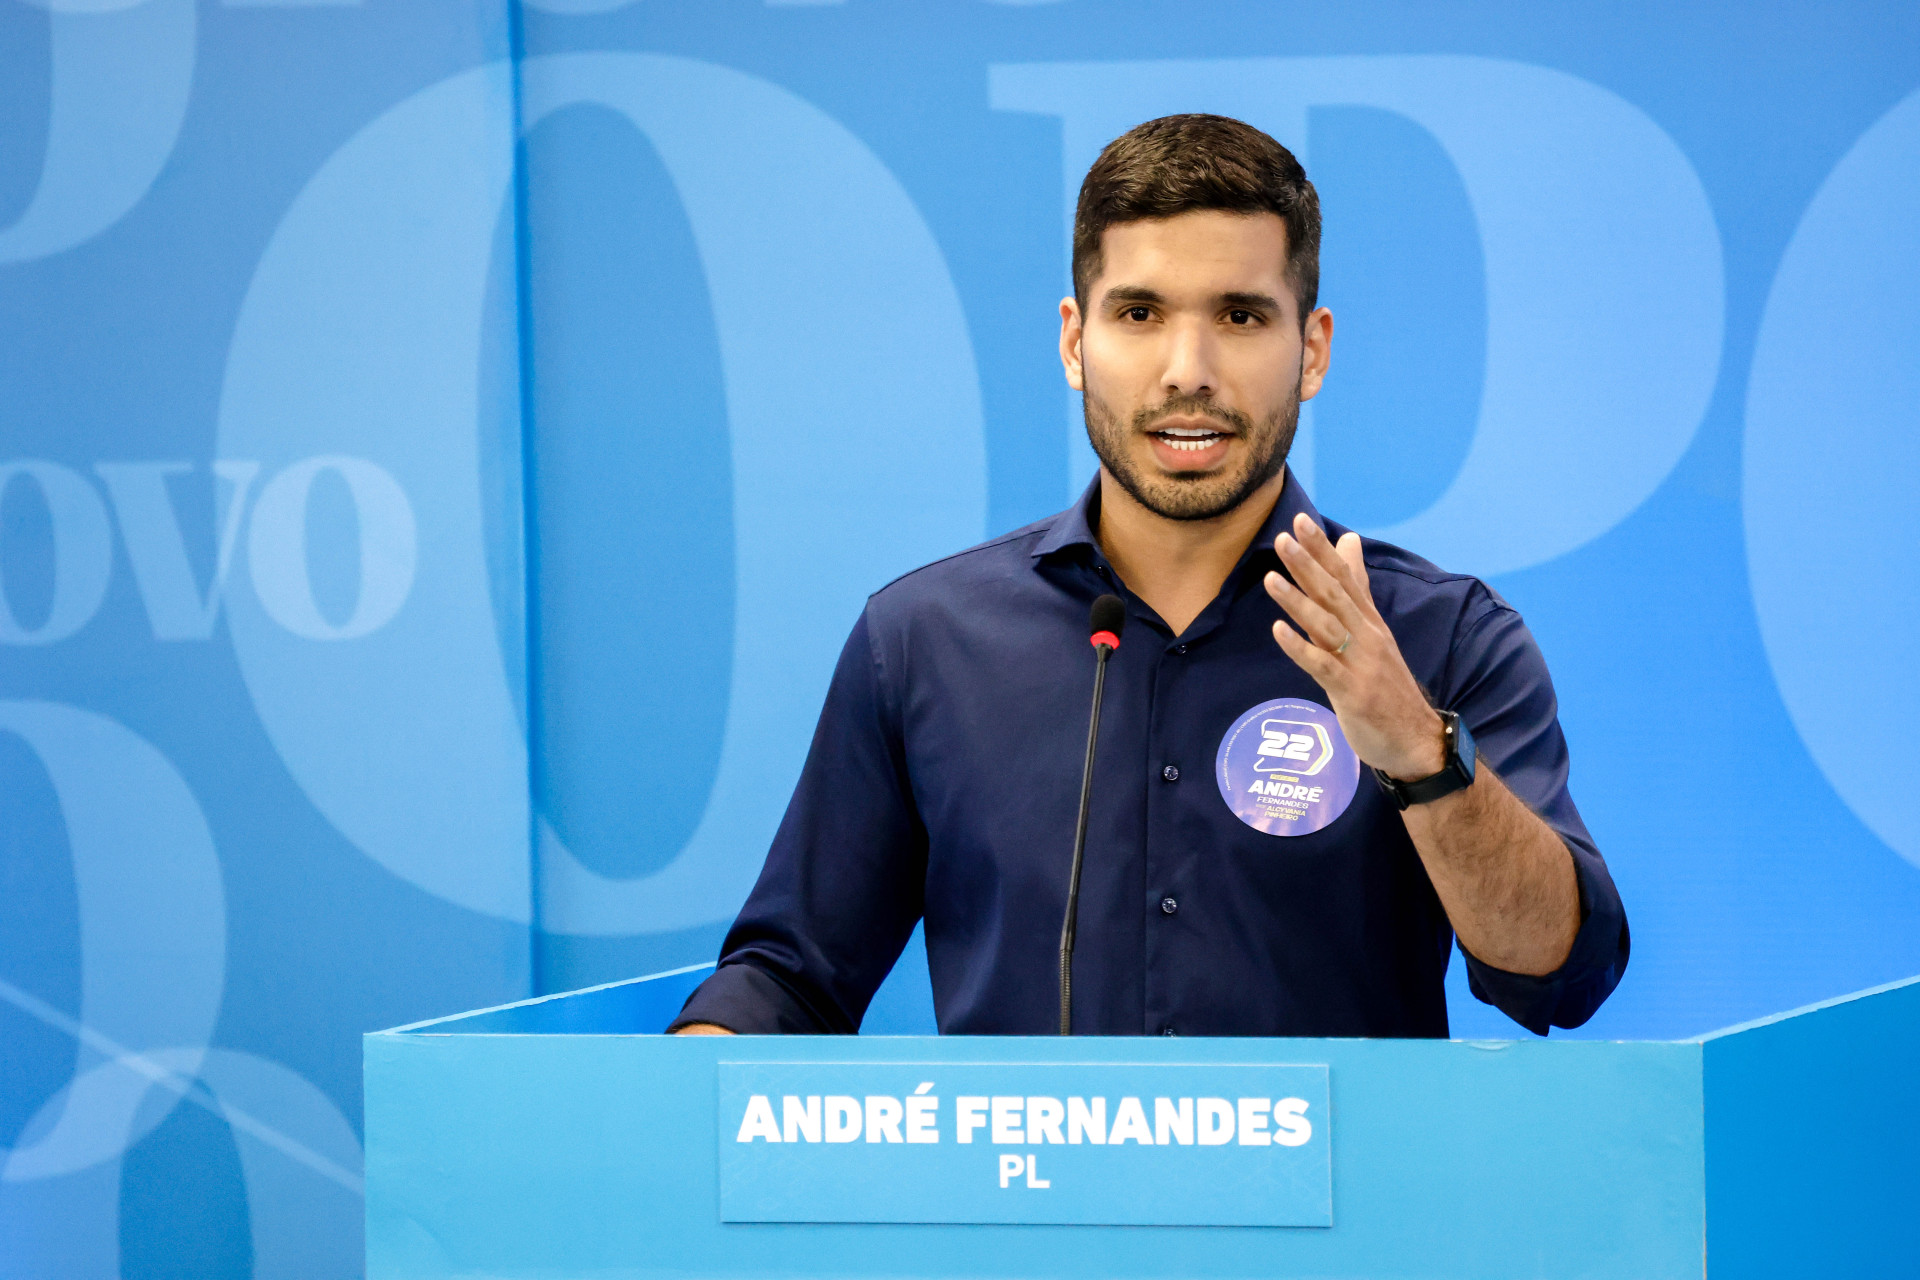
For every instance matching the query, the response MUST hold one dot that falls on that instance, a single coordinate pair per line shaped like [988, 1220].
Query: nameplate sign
[972, 1142]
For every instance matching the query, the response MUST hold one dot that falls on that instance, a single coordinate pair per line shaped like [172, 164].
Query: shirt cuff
[748, 1001]
[1571, 994]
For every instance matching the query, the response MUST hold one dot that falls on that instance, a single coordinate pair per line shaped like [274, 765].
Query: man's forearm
[1506, 880]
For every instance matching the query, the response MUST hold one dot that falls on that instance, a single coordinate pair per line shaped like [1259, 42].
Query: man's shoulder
[1406, 583]
[962, 574]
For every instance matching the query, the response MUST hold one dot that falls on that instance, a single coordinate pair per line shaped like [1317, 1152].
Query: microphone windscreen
[1109, 615]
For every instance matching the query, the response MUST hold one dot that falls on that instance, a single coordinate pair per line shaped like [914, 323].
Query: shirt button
[1168, 1030]
[1169, 906]
[1171, 773]
[1179, 648]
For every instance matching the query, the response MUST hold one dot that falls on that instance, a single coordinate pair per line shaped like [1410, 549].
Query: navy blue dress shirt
[944, 779]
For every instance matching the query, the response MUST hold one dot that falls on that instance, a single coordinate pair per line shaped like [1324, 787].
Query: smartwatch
[1454, 775]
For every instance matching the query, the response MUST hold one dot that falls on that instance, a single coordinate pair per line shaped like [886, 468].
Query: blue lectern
[559, 1137]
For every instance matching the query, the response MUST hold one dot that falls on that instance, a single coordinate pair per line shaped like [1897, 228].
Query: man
[1291, 821]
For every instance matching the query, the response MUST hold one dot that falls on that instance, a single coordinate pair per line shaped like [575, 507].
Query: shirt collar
[1074, 526]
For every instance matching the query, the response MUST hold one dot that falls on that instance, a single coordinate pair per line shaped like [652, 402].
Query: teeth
[1189, 443]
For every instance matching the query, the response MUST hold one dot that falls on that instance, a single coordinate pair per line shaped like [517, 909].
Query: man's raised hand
[1348, 649]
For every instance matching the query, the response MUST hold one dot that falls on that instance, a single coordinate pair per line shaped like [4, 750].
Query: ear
[1316, 339]
[1070, 333]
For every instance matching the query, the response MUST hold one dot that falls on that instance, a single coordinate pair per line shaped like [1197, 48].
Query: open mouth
[1189, 439]
[1190, 447]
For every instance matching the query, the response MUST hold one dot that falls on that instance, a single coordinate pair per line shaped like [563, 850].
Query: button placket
[1160, 850]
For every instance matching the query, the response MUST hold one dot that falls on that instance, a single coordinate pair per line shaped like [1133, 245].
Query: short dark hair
[1177, 164]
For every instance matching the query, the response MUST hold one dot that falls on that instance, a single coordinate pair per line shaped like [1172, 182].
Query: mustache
[1143, 419]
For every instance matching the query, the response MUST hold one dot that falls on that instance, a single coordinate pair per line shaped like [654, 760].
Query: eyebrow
[1133, 293]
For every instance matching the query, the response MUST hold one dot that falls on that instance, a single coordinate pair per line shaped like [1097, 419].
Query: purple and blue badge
[1286, 769]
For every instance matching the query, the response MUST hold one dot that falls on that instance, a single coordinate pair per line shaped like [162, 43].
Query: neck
[1178, 566]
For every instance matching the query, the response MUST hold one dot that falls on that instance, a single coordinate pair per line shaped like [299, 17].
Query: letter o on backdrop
[406, 737]
[277, 548]
[1831, 467]
[82, 552]
[121, 76]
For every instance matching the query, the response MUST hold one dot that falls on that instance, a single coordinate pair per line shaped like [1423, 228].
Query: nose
[1190, 369]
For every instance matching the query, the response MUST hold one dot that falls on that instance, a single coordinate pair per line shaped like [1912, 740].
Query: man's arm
[843, 882]
[1505, 877]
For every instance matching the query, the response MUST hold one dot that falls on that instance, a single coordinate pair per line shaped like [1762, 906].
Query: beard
[1193, 495]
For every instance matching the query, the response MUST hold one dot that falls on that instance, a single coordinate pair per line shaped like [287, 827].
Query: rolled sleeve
[1500, 686]
[747, 1000]
[844, 881]
[1570, 994]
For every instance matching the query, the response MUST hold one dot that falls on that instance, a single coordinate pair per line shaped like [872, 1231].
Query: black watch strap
[1455, 775]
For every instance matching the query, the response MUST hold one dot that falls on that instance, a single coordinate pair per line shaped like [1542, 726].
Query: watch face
[1462, 745]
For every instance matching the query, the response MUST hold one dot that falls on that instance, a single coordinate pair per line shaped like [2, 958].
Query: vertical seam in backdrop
[529, 542]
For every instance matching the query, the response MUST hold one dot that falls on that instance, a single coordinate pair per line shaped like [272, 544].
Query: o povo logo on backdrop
[151, 910]
[361, 336]
[120, 76]
[279, 552]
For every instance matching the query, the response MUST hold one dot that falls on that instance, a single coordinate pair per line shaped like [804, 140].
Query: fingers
[1321, 626]
[1309, 657]
[1321, 573]
[1344, 563]
[1353, 555]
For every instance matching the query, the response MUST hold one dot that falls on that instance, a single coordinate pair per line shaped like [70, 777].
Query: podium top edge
[464, 1014]
[1804, 1010]
[449, 1021]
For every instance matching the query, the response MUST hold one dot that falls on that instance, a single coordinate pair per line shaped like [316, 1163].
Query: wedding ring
[1343, 645]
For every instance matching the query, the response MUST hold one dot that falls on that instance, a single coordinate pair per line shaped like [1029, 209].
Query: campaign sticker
[1286, 769]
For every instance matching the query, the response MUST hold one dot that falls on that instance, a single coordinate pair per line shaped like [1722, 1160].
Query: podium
[561, 1137]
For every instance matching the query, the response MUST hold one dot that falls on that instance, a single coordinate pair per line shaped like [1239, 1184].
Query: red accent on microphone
[1106, 638]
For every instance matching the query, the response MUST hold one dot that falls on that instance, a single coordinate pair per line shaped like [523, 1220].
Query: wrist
[1456, 769]
[1426, 752]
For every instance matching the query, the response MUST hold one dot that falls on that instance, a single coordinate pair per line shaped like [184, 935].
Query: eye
[1139, 314]
[1241, 317]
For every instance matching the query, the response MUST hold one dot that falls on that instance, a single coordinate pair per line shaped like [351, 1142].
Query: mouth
[1189, 446]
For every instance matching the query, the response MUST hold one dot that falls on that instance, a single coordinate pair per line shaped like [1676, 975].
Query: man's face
[1192, 359]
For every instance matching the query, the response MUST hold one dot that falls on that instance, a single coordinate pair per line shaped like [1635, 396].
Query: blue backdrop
[445, 446]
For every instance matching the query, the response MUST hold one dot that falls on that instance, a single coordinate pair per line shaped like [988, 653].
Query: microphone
[1108, 621]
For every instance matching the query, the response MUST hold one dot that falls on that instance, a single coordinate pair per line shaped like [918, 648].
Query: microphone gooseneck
[1108, 620]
